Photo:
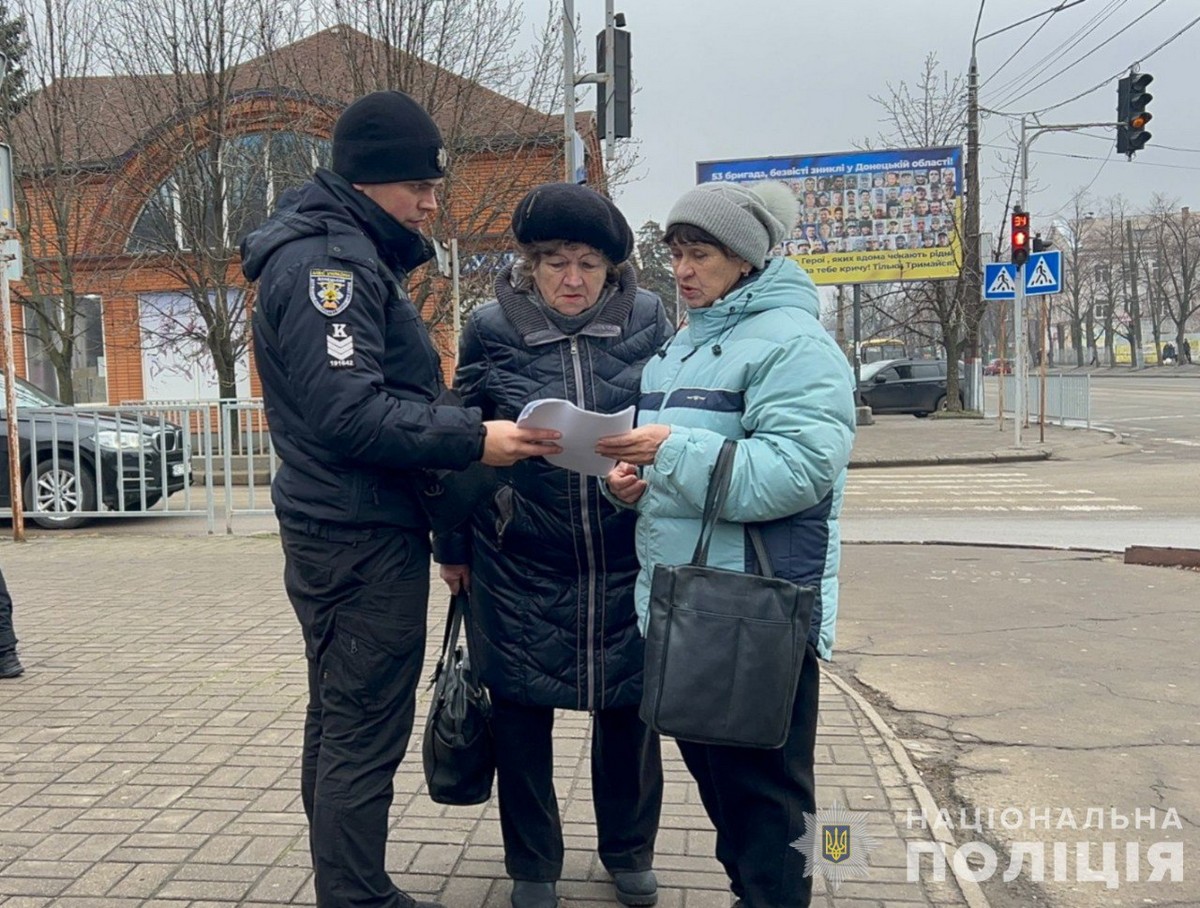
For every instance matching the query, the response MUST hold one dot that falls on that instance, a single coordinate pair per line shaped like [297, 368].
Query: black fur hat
[574, 214]
[387, 137]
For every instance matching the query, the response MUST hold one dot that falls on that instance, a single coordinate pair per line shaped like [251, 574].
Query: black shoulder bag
[724, 648]
[458, 754]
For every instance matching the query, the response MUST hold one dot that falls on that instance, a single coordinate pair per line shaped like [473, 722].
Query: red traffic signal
[1020, 237]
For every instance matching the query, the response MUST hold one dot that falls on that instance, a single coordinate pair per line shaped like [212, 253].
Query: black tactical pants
[8, 637]
[361, 597]
[757, 799]
[627, 789]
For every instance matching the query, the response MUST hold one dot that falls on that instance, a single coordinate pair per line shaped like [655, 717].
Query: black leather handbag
[724, 648]
[458, 753]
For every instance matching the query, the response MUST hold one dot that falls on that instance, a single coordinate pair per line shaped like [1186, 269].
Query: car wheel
[941, 403]
[60, 491]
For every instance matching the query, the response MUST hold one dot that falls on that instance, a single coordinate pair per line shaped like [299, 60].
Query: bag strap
[454, 620]
[760, 551]
[714, 501]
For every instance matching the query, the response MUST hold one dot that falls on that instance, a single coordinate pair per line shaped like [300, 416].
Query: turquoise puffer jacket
[757, 367]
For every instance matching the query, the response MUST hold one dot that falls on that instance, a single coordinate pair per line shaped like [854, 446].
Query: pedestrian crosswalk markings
[1003, 283]
[1042, 276]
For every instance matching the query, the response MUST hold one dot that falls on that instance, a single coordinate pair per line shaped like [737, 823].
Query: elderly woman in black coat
[549, 562]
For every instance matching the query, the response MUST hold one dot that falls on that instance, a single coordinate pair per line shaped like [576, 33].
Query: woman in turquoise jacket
[755, 365]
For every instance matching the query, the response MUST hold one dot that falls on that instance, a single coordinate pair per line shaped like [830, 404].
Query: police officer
[349, 377]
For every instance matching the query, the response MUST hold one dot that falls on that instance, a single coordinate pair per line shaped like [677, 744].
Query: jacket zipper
[588, 542]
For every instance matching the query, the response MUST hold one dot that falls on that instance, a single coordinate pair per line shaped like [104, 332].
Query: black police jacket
[348, 370]
[552, 560]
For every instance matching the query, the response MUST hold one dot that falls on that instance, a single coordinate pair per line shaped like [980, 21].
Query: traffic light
[1132, 116]
[622, 94]
[1020, 237]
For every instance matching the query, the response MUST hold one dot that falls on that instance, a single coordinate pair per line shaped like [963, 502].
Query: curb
[971, 890]
[934, 460]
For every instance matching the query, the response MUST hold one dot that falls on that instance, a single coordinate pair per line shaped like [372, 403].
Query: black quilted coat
[552, 560]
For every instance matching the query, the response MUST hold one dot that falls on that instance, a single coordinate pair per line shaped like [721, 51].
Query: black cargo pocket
[376, 660]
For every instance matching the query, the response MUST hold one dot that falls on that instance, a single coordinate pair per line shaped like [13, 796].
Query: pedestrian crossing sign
[1043, 273]
[999, 281]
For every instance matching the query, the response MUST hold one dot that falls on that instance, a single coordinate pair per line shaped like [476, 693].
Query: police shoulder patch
[330, 290]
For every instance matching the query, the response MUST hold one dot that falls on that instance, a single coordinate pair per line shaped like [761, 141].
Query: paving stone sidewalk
[150, 754]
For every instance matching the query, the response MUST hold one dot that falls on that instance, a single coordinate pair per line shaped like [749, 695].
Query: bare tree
[47, 128]
[932, 114]
[493, 98]
[180, 62]
[1176, 239]
[1075, 301]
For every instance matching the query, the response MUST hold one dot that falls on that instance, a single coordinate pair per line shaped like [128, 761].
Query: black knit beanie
[573, 214]
[387, 137]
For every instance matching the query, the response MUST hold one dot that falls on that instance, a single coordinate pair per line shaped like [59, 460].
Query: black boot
[529, 894]
[10, 665]
[636, 887]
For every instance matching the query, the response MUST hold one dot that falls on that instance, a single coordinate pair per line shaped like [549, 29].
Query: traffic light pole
[607, 78]
[1022, 383]
[568, 30]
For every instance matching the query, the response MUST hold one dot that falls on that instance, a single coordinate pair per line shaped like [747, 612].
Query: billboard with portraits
[866, 216]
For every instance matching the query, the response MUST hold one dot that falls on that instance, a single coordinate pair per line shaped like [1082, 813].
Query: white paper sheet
[580, 429]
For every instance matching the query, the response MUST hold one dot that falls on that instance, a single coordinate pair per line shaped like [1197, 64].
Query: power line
[1091, 183]
[1104, 82]
[1061, 48]
[1157, 145]
[1020, 47]
[1086, 157]
[1079, 60]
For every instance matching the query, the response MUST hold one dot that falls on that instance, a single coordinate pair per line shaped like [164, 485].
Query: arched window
[255, 169]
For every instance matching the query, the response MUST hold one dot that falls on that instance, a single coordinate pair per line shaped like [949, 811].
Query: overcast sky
[746, 79]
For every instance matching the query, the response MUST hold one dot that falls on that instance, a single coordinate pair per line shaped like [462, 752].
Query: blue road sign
[999, 281]
[1043, 273]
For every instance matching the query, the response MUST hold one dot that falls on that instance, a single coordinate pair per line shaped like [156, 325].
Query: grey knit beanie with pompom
[749, 219]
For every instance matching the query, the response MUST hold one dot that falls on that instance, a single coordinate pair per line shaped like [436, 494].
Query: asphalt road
[1044, 681]
[1143, 491]
[1159, 415]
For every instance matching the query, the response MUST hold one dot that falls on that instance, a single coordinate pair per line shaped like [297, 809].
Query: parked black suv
[74, 457]
[916, 386]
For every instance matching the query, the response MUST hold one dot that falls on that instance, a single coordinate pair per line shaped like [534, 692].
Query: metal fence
[165, 458]
[1068, 398]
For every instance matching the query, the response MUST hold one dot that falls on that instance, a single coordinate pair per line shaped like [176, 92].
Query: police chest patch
[339, 344]
[330, 291]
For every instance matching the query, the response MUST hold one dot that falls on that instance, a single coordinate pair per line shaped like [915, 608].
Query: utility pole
[972, 272]
[1135, 309]
[568, 30]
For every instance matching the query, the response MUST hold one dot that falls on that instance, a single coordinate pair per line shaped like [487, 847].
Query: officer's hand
[624, 483]
[638, 445]
[506, 443]
[457, 576]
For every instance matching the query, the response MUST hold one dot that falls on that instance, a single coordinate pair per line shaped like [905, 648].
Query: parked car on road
[916, 386]
[78, 459]
[998, 367]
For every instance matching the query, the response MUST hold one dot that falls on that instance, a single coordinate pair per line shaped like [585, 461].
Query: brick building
[134, 190]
